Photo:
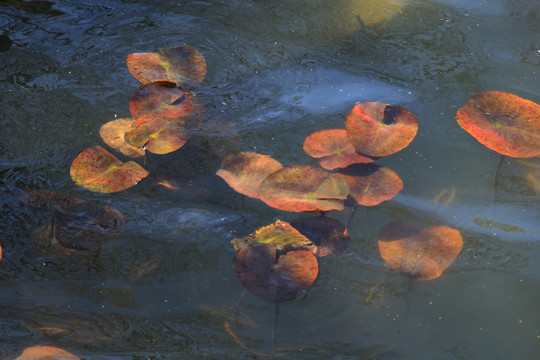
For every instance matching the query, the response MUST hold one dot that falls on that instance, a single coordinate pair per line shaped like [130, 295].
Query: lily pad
[377, 129]
[275, 277]
[504, 122]
[159, 100]
[280, 234]
[245, 171]
[97, 170]
[329, 235]
[420, 253]
[183, 65]
[371, 184]
[46, 353]
[333, 149]
[159, 135]
[303, 188]
[112, 134]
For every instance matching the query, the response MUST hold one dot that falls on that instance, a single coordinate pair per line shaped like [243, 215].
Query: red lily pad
[504, 122]
[159, 135]
[245, 171]
[112, 134]
[280, 234]
[303, 188]
[46, 353]
[275, 277]
[159, 100]
[183, 65]
[329, 235]
[370, 184]
[97, 170]
[333, 149]
[377, 129]
[420, 253]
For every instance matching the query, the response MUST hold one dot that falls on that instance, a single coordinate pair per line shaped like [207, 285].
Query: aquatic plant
[276, 263]
[160, 110]
[45, 353]
[420, 253]
[503, 122]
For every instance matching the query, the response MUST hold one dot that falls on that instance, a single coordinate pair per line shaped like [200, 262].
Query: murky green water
[277, 71]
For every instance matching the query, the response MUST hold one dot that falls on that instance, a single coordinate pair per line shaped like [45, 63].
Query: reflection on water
[277, 72]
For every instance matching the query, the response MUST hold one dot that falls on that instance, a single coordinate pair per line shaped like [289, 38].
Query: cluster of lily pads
[161, 109]
[278, 262]
[502, 121]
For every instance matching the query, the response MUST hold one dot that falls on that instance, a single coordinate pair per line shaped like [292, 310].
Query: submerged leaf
[329, 235]
[333, 149]
[303, 188]
[183, 65]
[504, 122]
[112, 134]
[245, 171]
[97, 170]
[372, 12]
[419, 253]
[377, 129]
[280, 234]
[275, 278]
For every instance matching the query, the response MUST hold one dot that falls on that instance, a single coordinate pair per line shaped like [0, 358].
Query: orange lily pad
[371, 184]
[159, 100]
[46, 353]
[377, 129]
[420, 253]
[280, 234]
[97, 170]
[183, 65]
[504, 122]
[275, 277]
[245, 171]
[159, 135]
[333, 149]
[303, 188]
[329, 235]
[112, 134]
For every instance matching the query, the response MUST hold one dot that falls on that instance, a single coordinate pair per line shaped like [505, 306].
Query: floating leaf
[419, 253]
[377, 129]
[303, 188]
[371, 184]
[372, 12]
[46, 353]
[280, 234]
[329, 235]
[183, 65]
[504, 122]
[97, 170]
[112, 134]
[159, 100]
[275, 278]
[159, 135]
[333, 149]
[245, 171]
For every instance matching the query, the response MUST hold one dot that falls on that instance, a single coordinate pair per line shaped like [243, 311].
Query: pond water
[277, 71]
